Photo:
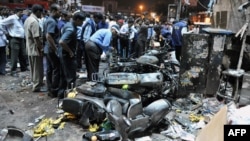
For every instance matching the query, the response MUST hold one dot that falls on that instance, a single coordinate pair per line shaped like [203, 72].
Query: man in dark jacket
[68, 52]
[51, 32]
[179, 29]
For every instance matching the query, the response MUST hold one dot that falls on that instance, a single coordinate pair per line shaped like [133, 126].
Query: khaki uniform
[32, 30]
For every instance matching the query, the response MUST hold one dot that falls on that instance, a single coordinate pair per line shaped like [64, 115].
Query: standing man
[179, 29]
[34, 47]
[141, 42]
[98, 42]
[127, 35]
[3, 43]
[84, 32]
[68, 52]
[14, 26]
[52, 33]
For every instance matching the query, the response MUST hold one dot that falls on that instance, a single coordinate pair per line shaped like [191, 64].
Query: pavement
[19, 107]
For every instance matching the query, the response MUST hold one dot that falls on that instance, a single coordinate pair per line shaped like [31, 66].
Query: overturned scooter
[124, 109]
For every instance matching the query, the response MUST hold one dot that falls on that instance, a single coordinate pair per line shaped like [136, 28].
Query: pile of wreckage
[194, 118]
[135, 99]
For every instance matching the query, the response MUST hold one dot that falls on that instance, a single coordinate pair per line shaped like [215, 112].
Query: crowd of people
[56, 44]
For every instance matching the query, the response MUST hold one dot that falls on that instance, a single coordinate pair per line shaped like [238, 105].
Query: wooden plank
[214, 130]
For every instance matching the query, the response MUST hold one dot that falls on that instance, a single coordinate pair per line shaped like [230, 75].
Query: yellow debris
[46, 127]
[195, 118]
[56, 123]
[93, 128]
[69, 115]
[72, 94]
[178, 111]
[61, 125]
[125, 87]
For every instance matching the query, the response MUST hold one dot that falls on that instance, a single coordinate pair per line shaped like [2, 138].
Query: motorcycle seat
[131, 109]
[95, 90]
[135, 108]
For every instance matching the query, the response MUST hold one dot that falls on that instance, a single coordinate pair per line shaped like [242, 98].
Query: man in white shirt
[127, 35]
[3, 57]
[14, 27]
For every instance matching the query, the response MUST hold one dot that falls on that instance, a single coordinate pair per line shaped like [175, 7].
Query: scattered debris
[238, 116]
[3, 134]
[146, 138]
[14, 132]
[110, 135]
[11, 111]
[39, 118]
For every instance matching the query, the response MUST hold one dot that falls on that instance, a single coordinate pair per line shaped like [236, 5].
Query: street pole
[178, 10]
[75, 5]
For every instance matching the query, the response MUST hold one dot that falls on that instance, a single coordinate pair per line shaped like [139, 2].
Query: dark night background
[129, 3]
[155, 5]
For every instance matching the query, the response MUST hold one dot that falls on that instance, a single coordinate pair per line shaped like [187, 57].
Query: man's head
[55, 10]
[130, 21]
[98, 17]
[37, 10]
[19, 11]
[120, 22]
[115, 29]
[78, 18]
[65, 15]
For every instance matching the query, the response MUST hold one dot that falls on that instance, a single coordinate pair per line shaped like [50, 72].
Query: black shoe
[50, 94]
[26, 69]
[2, 73]
[14, 74]
[61, 96]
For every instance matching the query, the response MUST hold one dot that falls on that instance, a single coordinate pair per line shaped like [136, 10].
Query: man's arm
[51, 42]
[106, 41]
[123, 29]
[50, 29]
[66, 48]
[87, 33]
[7, 21]
[36, 35]
[185, 31]
[66, 36]
[39, 45]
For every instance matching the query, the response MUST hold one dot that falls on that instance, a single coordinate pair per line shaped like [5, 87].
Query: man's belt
[17, 38]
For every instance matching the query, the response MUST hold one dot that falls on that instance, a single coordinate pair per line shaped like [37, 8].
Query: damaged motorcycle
[123, 108]
[160, 56]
